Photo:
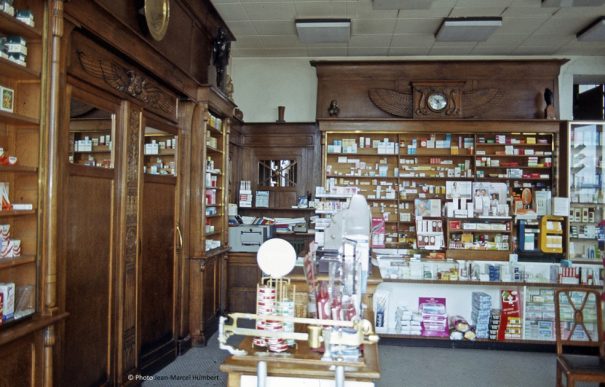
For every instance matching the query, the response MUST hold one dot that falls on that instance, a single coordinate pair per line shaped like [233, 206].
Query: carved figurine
[549, 112]
[220, 53]
[333, 110]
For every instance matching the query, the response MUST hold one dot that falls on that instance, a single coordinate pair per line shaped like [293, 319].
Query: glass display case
[586, 190]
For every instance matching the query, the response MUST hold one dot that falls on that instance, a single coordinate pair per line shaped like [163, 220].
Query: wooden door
[158, 329]
[86, 232]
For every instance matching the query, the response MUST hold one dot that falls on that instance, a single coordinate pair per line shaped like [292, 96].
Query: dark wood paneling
[186, 47]
[87, 273]
[17, 361]
[519, 84]
[282, 141]
[243, 275]
[157, 267]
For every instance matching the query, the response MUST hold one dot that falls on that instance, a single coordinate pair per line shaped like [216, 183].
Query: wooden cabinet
[403, 166]
[207, 294]
[208, 232]
[243, 276]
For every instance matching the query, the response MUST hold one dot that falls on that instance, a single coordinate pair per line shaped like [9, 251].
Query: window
[277, 173]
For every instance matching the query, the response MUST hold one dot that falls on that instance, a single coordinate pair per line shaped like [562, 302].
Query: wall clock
[157, 16]
[437, 99]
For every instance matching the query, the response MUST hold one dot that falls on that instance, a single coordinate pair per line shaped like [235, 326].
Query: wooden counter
[301, 363]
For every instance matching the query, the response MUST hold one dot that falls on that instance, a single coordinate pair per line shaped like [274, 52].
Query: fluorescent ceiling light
[323, 30]
[595, 32]
[467, 29]
[572, 3]
[402, 4]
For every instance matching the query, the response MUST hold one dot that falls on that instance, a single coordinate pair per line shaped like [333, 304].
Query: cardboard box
[8, 295]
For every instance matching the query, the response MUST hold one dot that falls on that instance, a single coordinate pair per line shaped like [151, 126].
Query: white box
[8, 296]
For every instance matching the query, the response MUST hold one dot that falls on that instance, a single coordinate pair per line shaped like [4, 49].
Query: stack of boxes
[539, 314]
[480, 315]
[407, 322]
[510, 316]
[434, 316]
[494, 324]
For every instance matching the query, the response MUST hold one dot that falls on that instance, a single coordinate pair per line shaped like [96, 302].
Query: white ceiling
[266, 28]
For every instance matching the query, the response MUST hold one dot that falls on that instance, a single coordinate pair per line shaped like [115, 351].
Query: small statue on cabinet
[220, 54]
[549, 112]
[333, 110]
[228, 86]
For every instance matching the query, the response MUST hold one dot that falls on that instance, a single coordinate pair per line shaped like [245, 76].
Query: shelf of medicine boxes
[21, 137]
[90, 142]
[159, 152]
[489, 248]
[515, 157]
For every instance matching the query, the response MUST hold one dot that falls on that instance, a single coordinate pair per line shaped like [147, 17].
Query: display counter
[302, 366]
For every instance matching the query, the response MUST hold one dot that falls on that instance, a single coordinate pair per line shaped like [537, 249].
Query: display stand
[302, 364]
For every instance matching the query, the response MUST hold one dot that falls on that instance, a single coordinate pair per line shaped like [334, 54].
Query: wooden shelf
[162, 152]
[485, 255]
[512, 167]
[214, 150]
[16, 71]
[7, 263]
[305, 209]
[213, 129]
[6, 214]
[435, 178]
[363, 153]
[498, 156]
[18, 119]
[363, 177]
[490, 283]
[10, 25]
[18, 169]
[520, 145]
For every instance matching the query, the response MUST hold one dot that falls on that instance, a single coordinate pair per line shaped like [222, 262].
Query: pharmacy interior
[434, 202]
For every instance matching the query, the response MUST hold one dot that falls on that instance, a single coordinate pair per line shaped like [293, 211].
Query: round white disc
[276, 257]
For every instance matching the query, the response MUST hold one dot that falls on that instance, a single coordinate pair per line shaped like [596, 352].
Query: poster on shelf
[378, 232]
[428, 207]
[262, 199]
[458, 189]
[489, 199]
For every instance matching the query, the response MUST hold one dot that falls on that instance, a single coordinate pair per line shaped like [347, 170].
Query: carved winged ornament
[127, 81]
[401, 103]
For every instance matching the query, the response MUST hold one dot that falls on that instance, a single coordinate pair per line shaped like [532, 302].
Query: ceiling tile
[247, 42]
[452, 48]
[281, 52]
[270, 11]
[248, 52]
[526, 3]
[281, 41]
[240, 28]
[321, 9]
[530, 12]
[482, 3]
[420, 26]
[591, 12]
[434, 12]
[520, 25]
[492, 50]
[567, 26]
[231, 12]
[274, 27]
[504, 39]
[413, 40]
[363, 10]
[476, 11]
[406, 51]
[534, 50]
[368, 51]
[370, 41]
[370, 26]
[215, 2]
[327, 51]
[547, 41]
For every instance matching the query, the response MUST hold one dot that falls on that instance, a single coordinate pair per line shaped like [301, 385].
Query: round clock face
[436, 101]
[157, 15]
